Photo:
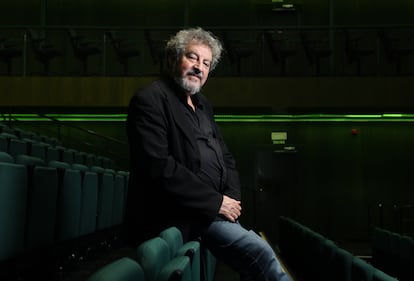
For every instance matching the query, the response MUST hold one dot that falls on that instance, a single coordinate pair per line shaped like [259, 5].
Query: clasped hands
[230, 208]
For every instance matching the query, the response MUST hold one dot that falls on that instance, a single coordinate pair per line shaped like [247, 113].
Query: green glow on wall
[223, 118]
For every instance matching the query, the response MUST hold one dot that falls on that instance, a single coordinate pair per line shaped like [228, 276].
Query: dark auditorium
[206, 140]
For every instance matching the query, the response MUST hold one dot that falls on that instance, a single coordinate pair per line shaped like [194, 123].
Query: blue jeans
[244, 251]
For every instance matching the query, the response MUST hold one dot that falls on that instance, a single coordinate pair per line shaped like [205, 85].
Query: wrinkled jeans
[244, 251]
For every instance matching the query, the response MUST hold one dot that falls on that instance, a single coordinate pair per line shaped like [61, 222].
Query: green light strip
[225, 118]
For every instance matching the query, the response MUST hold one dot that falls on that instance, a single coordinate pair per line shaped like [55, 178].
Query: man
[182, 173]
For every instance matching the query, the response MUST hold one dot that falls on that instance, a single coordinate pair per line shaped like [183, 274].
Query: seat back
[89, 201]
[361, 270]
[118, 200]
[342, 265]
[13, 200]
[153, 254]
[53, 153]
[5, 157]
[105, 197]
[174, 239]
[154, 257]
[4, 145]
[17, 147]
[35, 39]
[122, 269]
[191, 249]
[382, 276]
[69, 201]
[41, 215]
[39, 149]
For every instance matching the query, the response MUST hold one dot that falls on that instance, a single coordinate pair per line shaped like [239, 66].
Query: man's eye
[192, 56]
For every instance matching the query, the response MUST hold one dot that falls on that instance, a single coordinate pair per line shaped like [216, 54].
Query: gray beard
[188, 87]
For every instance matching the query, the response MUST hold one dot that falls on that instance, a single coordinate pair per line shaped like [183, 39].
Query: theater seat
[68, 212]
[17, 147]
[118, 200]
[83, 48]
[341, 266]
[279, 51]
[106, 186]
[174, 239]
[44, 51]
[8, 51]
[396, 50]
[382, 276]
[13, 200]
[315, 51]
[154, 257]
[124, 49]
[208, 264]
[122, 269]
[4, 144]
[361, 270]
[354, 51]
[5, 157]
[89, 202]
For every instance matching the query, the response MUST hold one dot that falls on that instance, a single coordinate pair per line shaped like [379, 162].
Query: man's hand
[230, 208]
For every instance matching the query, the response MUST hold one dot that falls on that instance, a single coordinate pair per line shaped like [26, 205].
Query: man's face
[193, 67]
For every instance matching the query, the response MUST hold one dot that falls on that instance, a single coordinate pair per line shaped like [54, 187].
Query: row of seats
[393, 253]
[83, 48]
[162, 258]
[314, 257]
[16, 141]
[56, 211]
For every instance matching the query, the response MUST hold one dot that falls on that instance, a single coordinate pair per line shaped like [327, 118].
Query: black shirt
[212, 168]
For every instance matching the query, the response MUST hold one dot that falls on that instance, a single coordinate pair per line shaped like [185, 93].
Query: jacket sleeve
[151, 143]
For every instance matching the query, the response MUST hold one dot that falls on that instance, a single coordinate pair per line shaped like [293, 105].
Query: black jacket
[164, 189]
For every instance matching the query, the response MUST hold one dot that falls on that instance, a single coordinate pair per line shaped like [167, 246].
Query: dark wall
[335, 181]
[332, 181]
[202, 12]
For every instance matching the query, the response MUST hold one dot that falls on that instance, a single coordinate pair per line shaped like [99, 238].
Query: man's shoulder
[154, 86]
[154, 90]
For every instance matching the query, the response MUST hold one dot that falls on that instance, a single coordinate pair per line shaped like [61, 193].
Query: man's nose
[197, 69]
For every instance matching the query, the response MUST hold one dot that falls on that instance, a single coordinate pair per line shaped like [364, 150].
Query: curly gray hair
[177, 44]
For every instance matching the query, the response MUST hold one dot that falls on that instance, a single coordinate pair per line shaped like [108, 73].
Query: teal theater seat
[17, 147]
[208, 264]
[361, 270]
[5, 157]
[105, 197]
[39, 149]
[68, 211]
[13, 200]
[382, 276]
[4, 145]
[174, 239]
[89, 199]
[41, 203]
[342, 266]
[122, 269]
[119, 200]
[154, 257]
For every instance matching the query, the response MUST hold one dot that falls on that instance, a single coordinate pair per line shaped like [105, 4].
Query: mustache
[195, 73]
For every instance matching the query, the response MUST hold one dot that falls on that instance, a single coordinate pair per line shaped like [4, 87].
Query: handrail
[8, 117]
[84, 130]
